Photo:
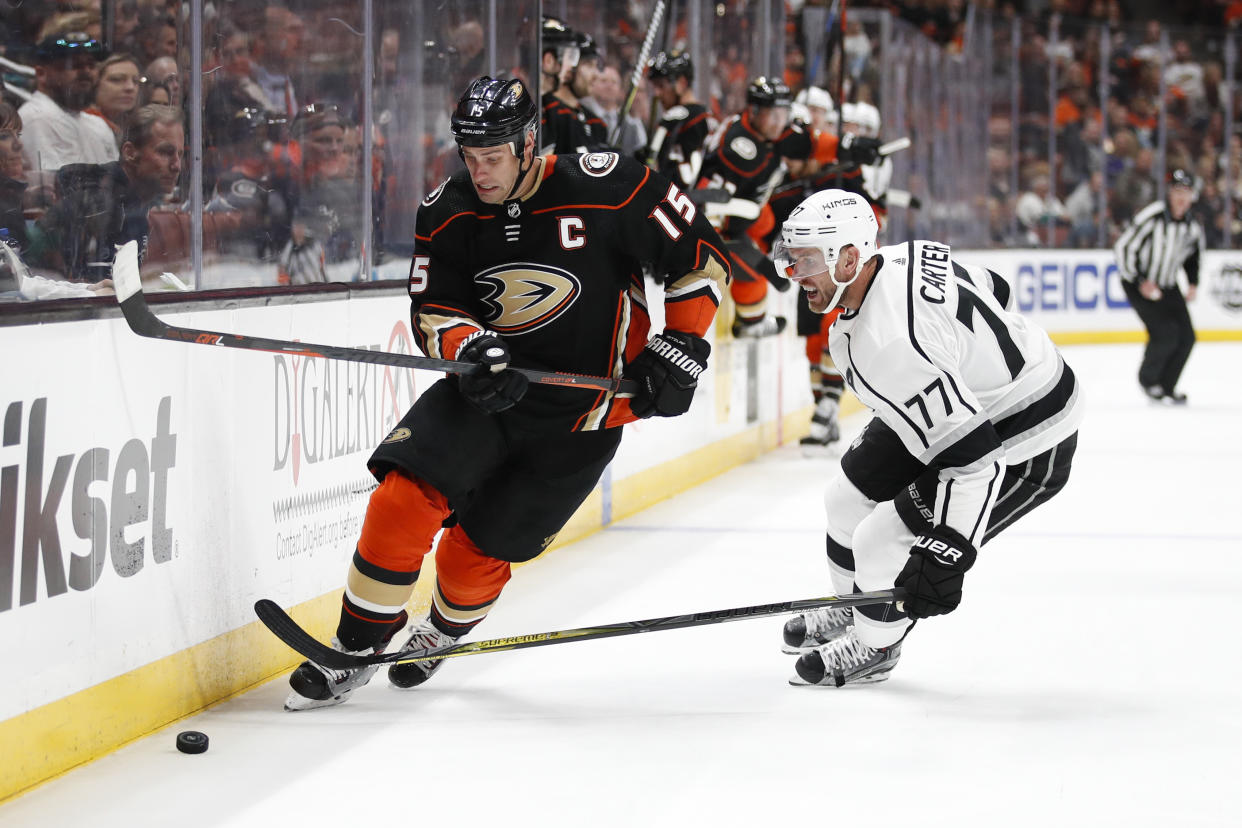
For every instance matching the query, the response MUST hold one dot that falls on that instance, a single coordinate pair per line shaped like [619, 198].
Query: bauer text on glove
[932, 576]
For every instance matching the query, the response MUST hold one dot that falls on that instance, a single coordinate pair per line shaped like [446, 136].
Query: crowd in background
[283, 140]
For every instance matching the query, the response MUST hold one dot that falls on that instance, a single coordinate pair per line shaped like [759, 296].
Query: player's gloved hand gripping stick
[142, 321]
[492, 387]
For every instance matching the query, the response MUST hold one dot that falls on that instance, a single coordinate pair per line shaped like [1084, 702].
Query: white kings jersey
[968, 386]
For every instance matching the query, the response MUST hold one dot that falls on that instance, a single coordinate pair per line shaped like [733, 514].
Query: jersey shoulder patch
[431, 197]
[598, 164]
[677, 113]
[744, 148]
[453, 197]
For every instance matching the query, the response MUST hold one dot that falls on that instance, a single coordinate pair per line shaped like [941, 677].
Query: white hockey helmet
[798, 112]
[829, 221]
[814, 96]
[849, 112]
[868, 119]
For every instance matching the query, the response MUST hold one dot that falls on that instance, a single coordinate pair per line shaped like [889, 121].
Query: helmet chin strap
[841, 286]
[523, 168]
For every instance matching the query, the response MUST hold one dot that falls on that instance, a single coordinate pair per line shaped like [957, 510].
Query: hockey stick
[142, 321]
[883, 151]
[640, 67]
[288, 631]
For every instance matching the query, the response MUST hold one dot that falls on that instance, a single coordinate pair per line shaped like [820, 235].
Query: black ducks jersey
[559, 275]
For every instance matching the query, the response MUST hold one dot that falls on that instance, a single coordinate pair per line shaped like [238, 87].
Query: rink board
[1076, 294]
[151, 491]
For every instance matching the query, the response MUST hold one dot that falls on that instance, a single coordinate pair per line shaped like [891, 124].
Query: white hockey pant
[880, 543]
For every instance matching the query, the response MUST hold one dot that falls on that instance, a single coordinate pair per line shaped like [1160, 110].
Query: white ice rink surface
[1091, 676]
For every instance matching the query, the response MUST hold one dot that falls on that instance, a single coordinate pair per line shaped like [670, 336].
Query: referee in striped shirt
[1162, 239]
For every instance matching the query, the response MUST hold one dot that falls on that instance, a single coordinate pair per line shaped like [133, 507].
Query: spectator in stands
[1081, 150]
[116, 93]
[235, 87]
[605, 99]
[155, 36]
[1184, 75]
[163, 70]
[12, 179]
[56, 129]
[124, 24]
[1149, 50]
[467, 41]
[105, 205]
[245, 184]
[1038, 208]
[277, 54]
[325, 208]
[154, 93]
[1081, 208]
[1135, 188]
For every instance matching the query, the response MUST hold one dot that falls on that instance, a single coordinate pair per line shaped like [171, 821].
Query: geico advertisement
[1080, 290]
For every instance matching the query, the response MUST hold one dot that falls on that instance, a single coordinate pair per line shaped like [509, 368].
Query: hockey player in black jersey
[745, 159]
[975, 424]
[676, 148]
[570, 62]
[536, 262]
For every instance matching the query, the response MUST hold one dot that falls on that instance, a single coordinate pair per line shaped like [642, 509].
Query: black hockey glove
[667, 372]
[491, 386]
[932, 576]
[858, 151]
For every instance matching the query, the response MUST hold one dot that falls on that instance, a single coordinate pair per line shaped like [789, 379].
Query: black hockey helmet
[494, 111]
[671, 65]
[1180, 177]
[765, 91]
[587, 47]
[248, 124]
[557, 36]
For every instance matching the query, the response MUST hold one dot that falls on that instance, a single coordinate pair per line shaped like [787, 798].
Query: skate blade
[814, 452]
[871, 678]
[807, 646]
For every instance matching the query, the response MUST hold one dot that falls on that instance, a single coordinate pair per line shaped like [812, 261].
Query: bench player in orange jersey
[746, 160]
[535, 262]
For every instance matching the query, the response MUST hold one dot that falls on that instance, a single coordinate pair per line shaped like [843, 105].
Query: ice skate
[824, 430]
[815, 628]
[845, 660]
[317, 686]
[414, 673]
[766, 326]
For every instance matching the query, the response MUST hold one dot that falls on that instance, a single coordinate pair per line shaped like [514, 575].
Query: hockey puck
[191, 741]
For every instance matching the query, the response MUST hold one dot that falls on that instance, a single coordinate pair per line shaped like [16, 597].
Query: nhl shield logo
[1227, 287]
[598, 164]
[514, 209]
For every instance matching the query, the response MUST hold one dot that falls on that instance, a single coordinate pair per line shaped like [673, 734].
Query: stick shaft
[288, 631]
[640, 66]
[145, 323]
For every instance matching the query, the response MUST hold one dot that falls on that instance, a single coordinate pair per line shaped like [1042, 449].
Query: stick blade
[126, 280]
[302, 642]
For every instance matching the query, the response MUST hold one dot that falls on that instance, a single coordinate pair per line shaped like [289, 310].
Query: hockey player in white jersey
[975, 422]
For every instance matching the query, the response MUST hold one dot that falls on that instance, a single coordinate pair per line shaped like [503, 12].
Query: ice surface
[1090, 677]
